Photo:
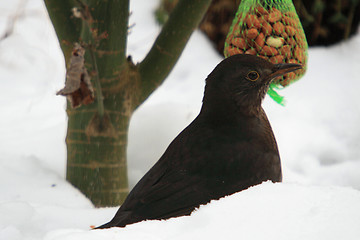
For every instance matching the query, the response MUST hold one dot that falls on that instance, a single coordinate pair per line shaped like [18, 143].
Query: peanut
[261, 11]
[292, 61]
[268, 51]
[291, 41]
[252, 21]
[276, 59]
[285, 51]
[290, 30]
[275, 41]
[252, 33]
[239, 42]
[278, 28]
[274, 16]
[289, 21]
[299, 54]
[266, 27]
[234, 51]
[251, 51]
[260, 41]
[287, 78]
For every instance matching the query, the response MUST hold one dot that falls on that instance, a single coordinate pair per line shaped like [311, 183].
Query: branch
[66, 26]
[169, 44]
[109, 26]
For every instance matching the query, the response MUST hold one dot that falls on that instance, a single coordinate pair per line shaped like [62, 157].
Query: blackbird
[229, 146]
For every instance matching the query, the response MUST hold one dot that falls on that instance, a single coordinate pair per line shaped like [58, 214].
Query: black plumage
[229, 146]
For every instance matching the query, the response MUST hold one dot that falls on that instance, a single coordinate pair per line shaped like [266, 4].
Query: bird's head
[244, 80]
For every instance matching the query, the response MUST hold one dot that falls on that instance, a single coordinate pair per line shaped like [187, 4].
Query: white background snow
[318, 135]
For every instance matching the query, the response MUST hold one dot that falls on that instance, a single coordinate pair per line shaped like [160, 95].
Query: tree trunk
[96, 149]
[97, 138]
[97, 133]
[96, 143]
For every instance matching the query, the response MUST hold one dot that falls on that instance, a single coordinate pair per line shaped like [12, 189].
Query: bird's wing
[168, 189]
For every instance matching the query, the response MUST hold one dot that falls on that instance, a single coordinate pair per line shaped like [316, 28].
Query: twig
[99, 95]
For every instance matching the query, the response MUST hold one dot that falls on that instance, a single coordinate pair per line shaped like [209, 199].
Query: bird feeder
[270, 29]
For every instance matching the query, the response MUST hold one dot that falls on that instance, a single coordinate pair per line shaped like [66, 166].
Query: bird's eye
[252, 76]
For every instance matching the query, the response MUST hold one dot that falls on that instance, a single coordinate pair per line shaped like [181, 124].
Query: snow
[268, 211]
[317, 132]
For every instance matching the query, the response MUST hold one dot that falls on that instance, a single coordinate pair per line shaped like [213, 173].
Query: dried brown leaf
[78, 87]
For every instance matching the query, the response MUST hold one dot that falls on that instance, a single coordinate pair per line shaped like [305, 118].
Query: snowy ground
[317, 132]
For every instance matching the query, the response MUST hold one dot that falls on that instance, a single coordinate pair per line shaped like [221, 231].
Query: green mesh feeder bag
[270, 29]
